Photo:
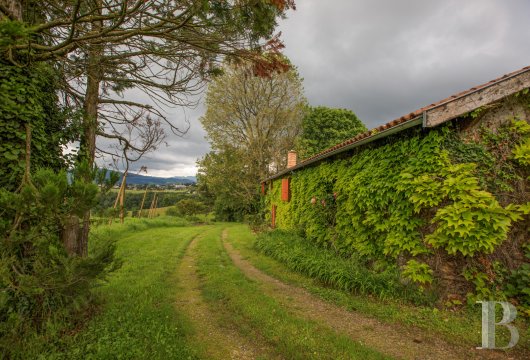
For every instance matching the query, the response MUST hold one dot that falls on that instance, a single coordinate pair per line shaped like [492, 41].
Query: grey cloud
[383, 59]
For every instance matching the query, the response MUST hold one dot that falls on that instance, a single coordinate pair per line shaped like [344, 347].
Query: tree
[324, 127]
[190, 207]
[252, 123]
[223, 176]
[166, 49]
[260, 116]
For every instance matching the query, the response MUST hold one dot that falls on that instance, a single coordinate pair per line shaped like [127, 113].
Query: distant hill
[135, 179]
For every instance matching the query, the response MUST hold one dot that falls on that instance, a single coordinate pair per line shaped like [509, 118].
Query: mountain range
[137, 179]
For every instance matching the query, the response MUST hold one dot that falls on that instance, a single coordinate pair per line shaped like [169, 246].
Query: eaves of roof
[428, 116]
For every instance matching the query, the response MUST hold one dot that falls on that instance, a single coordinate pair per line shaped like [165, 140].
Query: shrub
[42, 287]
[190, 207]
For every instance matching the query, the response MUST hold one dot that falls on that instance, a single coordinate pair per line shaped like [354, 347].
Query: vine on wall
[400, 202]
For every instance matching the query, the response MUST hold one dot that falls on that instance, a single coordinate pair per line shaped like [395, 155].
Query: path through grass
[181, 295]
[138, 318]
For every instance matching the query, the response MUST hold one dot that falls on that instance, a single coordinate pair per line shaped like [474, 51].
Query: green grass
[260, 315]
[462, 328]
[349, 274]
[138, 319]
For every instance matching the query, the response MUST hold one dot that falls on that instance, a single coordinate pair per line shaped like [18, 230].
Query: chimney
[291, 159]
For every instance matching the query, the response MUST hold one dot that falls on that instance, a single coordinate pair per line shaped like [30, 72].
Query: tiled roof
[399, 122]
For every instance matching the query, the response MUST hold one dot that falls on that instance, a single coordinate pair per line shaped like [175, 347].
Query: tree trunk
[70, 234]
[12, 9]
[90, 121]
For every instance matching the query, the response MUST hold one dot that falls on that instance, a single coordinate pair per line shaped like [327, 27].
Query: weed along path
[398, 342]
[212, 339]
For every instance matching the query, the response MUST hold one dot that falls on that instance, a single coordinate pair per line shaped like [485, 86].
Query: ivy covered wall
[446, 206]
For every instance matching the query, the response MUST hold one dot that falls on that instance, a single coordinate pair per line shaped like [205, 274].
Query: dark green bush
[43, 289]
[190, 207]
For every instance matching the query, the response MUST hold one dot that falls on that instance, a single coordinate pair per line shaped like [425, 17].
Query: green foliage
[409, 195]
[190, 207]
[224, 177]
[324, 127]
[518, 283]
[11, 33]
[418, 272]
[28, 97]
[352, 274]
[41, 284]
[521, 153]
[487, 285]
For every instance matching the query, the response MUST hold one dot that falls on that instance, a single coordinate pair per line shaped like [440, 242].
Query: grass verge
[461, 328]
[225, 286]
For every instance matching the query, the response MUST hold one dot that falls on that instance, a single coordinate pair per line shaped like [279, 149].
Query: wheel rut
[215, 341]
[393, 340]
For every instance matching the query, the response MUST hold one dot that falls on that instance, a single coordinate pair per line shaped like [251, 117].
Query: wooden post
[124, 184]
[154, 207]
[117, 199]
[150, 213]
[142, 206]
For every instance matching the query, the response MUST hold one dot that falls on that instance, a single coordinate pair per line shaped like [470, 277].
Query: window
[286, 192]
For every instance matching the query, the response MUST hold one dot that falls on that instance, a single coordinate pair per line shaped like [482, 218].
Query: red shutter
[262, 188]
[286, 193]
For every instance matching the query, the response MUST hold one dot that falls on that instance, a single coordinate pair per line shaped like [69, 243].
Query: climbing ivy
[410, 196]
[29, 97]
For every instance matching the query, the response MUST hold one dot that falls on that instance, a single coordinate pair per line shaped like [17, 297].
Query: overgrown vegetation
[435, 205]
[43, 288]
[350, 274]
[29, 97]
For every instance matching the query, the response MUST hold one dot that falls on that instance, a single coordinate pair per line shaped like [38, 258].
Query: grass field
[204, 292]
[140, 191]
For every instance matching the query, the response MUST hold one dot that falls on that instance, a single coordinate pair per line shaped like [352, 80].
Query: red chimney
[291, 159]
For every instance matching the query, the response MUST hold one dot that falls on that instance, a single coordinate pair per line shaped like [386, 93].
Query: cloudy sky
[382, 59]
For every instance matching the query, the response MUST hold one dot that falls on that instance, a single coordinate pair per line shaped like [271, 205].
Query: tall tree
[260, 115]
[166, 49]
[252, 123]
[324, 127]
